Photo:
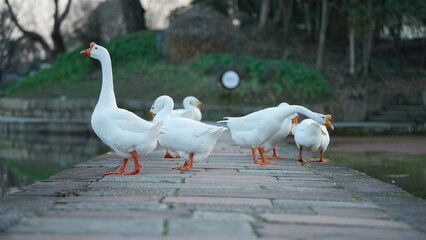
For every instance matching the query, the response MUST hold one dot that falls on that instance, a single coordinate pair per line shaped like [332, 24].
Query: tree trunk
[134, 15]
[264, 15]
[352, 66]
[58, 40]
[368, 40]
[288, 12]
[351, 35]
[395, 32]
[307, 19]
[322, 36]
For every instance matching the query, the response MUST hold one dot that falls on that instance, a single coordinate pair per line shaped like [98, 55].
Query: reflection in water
[406, 171]
[25, 159]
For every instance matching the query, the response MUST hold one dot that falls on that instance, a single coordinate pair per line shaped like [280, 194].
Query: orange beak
[294, 120]
[152, 114]
[199, 105]
[87, 51]
[328, 122]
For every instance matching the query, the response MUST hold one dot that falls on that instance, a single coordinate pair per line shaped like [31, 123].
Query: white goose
[192, 140]
[191, 109]
[311, 135]
[279, 136]
[253, 130]
[127, 134]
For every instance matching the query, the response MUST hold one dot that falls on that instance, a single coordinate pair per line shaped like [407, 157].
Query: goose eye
[96, 47]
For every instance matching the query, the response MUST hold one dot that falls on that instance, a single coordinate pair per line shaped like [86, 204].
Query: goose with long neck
[253, 130]
[127, 134]
[279, 136]
[192, 140]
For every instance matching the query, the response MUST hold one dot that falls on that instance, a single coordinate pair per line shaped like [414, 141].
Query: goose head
[323, 120]
[95, 51]
[193, 101]
[163, 102]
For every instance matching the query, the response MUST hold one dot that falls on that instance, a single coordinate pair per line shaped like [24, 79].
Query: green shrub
[268, 81]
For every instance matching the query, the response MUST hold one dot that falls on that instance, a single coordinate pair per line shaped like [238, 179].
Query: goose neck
[288, 110]
[165, 112]
[107, 96]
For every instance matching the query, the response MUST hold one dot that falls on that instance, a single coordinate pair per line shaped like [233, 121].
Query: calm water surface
[25, 159]
[398, 160]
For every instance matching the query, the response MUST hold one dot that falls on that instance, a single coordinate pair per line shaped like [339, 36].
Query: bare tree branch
[65, 13]
[29, 34]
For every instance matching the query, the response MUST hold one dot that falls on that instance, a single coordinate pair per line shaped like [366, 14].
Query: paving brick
[52, 188]
[336, 204]
[306, 184]
[78, 226]
[223, 216]
[302, 231]
[351, 212]
[334, 221]
[114, 237]
[218, 200]
[326, 195]
[112, 206]
[80, 174]
[235, 176]
[166, 214]
[275, 171]
[143, 179]
[207, 228]
[130, 191]
[108, 199]
[303, 178]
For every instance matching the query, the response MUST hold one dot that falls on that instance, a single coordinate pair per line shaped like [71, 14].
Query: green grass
[142, 73]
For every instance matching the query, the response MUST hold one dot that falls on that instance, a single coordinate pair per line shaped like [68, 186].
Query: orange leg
[274, 154]
[168, 155]
[121, 169]
[264, 159]
[136, 163]
[321, 159]
[253, 151]
[300, 159]
[187, 165]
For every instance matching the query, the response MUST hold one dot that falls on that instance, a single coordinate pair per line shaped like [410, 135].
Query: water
[398, 160]
[25, 159]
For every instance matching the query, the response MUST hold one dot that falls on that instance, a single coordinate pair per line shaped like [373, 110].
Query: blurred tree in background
[345, 40]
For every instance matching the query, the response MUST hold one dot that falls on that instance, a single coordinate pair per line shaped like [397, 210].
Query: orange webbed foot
[268, 162]
[302, 160]
[168, 155]
[136, 170]
[187, 165]
[117, 172]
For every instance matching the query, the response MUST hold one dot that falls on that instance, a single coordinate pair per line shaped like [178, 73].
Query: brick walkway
[224, 197]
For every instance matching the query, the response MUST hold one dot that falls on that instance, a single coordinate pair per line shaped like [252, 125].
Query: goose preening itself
[191, 109]
[279, 136]
[192, 140]
[311, 135]
[127, 134]
[253, 130]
